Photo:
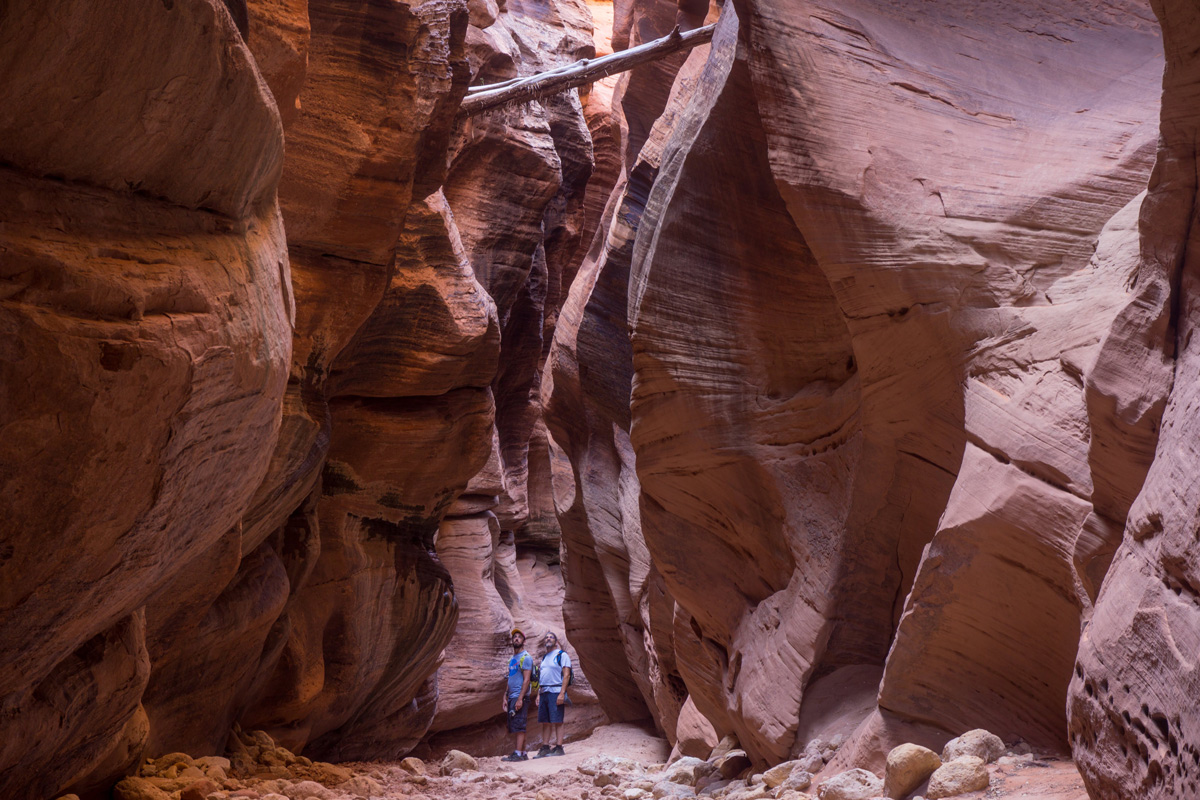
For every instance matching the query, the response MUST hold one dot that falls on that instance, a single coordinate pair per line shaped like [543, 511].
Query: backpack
[533, 677]
[570, 675]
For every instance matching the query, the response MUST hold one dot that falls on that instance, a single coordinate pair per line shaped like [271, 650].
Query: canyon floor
[560, 778]
[617, 762]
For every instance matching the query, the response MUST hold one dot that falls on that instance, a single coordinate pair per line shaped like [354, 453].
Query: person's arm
[562, 693]
[524, 690]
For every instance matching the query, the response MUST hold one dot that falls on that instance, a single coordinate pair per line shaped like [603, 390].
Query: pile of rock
[257, 769]
[961, 768]
[728, 775]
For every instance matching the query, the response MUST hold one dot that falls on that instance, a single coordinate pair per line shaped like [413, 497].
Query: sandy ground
[558, 777]
[628, 741]
[1035, 779]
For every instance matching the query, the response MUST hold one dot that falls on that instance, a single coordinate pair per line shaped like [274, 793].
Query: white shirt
[550, 673]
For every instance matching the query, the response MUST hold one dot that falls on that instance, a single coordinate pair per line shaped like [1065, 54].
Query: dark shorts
[548, 708]
[516, 719]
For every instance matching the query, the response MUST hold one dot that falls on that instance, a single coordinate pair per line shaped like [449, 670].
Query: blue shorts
[516, 718]
[548, 708]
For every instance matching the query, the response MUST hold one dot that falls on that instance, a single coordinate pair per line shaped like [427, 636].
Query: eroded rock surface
[838, 356]
[1133, 731]
[848, 333]
[225, 524]
[353, 499]
[146, 317]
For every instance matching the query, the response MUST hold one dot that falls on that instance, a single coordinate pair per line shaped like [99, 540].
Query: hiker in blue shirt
[520, 667]
[554, 676]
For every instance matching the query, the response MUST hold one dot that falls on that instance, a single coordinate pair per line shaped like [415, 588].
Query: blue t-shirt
[516, 671]
[550, 676]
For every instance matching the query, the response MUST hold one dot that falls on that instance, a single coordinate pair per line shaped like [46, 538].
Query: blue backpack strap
[559, 658]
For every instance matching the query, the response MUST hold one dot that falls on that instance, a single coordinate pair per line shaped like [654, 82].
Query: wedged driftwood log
[560, 79]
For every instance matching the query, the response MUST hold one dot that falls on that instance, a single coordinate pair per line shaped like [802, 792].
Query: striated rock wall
[695, 481]
[146, 311]
[1010, 256]
[824, 367]
[241, 445]
[395, 347]
[1134, 730]
[876, 407]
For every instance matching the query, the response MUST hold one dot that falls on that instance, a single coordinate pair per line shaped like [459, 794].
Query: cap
[515, 631]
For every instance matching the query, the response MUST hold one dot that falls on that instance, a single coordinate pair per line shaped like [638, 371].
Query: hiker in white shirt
[554, 675]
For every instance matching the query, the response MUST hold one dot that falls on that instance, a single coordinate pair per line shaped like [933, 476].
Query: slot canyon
[816, 381]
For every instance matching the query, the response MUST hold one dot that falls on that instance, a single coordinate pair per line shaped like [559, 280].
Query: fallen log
[579, 73]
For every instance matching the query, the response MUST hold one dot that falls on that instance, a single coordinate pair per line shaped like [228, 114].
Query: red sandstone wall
[1133, 722]
[252, 439]
[842, 371]
[879, 420]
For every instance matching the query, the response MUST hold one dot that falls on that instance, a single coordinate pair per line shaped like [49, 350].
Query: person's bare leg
[556, 732]
[520, 741]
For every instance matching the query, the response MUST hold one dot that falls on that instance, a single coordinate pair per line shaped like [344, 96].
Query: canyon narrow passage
[599, 400]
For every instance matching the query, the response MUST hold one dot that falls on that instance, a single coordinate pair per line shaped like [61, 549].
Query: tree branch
[569, 76]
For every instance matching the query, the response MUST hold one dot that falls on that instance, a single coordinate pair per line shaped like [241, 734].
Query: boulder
[978, 743]
[779, 773]
[457, 759]
[135, 788]
[596, 765]
[201, 789]
[214, 767]
[855, 784]
[732, 765]
[963, 774]
[361, 785]
[799, 780]
[414, 766]
[683, 771]
[671, 789]
[728, 743]
[694, 734]
[304, 790]
[754, 792]
[811, 760]
[908, 765]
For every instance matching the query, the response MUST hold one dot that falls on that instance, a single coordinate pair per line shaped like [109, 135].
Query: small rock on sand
[854, 784]
[457, 759]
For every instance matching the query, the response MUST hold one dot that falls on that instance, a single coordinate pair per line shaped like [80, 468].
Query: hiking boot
[543, 751]
[556, 751]
[515, 756]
